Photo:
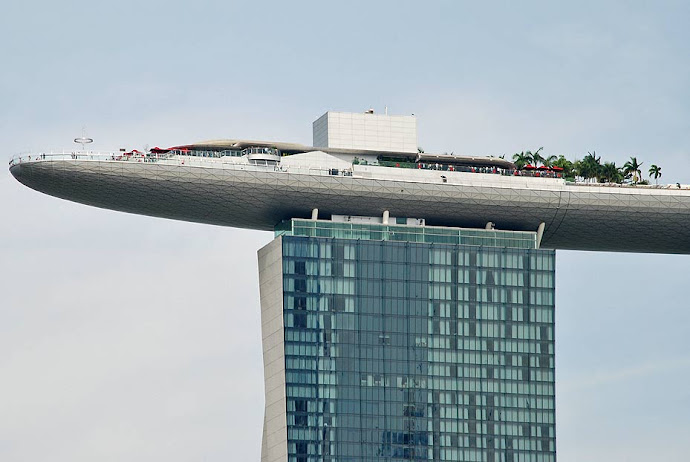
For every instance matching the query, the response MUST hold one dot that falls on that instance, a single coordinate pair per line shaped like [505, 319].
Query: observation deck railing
[86, 155]
[230, 163]
[176, 159]
[408, 233]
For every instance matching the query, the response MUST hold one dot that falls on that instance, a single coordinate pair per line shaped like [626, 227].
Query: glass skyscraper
[400, 343]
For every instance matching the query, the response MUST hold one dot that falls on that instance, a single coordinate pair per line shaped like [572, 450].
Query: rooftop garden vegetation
[590, 168]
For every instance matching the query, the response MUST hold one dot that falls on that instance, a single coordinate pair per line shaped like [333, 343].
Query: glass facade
[406, 233]
[403, 351]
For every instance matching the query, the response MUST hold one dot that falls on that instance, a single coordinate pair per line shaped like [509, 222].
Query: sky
[125, 337]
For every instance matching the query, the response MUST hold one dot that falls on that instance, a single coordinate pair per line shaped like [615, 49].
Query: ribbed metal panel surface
[577, 217]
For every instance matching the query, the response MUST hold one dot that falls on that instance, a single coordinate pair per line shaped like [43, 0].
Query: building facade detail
[366, 131]
[411, 350]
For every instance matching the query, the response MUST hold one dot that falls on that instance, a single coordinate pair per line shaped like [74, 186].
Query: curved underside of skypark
[625, 219]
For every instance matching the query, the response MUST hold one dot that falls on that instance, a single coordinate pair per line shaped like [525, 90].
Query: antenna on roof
[83, 139]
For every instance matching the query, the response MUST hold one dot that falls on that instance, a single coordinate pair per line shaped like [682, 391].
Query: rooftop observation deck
[228, 159]
[227, 189]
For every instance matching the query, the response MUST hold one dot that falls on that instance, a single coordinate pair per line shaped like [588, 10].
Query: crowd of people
[544, 173]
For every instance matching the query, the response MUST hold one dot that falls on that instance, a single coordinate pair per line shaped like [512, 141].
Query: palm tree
[549, 161]
[655, 171]
[610, 173]
[521, 159]
[632, 169]
[590, 166]
[535, 157]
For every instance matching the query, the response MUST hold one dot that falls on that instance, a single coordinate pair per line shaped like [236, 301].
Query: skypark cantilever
[255, 184]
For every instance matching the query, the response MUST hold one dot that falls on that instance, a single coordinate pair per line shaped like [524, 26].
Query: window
[300, 267]
[300, 320]
[410, 331]
[300, 285]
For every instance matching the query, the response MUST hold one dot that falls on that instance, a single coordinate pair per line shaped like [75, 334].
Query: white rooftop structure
[369, 131]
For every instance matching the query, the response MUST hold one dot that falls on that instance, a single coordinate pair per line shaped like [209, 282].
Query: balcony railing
[226, 163]
[87, 155]
[407, 233]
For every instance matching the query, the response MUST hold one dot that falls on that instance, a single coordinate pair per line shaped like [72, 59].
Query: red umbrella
[529, 167]
[556, 168]
[543, 167]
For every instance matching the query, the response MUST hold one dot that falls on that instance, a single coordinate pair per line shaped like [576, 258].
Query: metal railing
[408, 233]
[628, 185]
[227, 163]
[230, 163]
[87, 155]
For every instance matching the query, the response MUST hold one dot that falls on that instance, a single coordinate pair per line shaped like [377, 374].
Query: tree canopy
[655, 172]
[631, 169]
[590, 168]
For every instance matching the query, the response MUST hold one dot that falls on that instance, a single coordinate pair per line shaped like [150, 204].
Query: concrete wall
[274, 442]
[377, 132]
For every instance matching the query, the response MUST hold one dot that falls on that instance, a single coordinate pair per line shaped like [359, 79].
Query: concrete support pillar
[386, 215]
[540, 233]
[315, 214]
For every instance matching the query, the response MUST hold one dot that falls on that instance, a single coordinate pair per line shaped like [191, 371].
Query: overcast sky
[132, 338]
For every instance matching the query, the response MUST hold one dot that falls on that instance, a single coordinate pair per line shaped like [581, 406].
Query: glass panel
[417, 350]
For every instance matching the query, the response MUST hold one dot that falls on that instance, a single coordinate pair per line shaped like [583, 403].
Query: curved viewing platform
[211, 159]
[189, 160]
[225, 187]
